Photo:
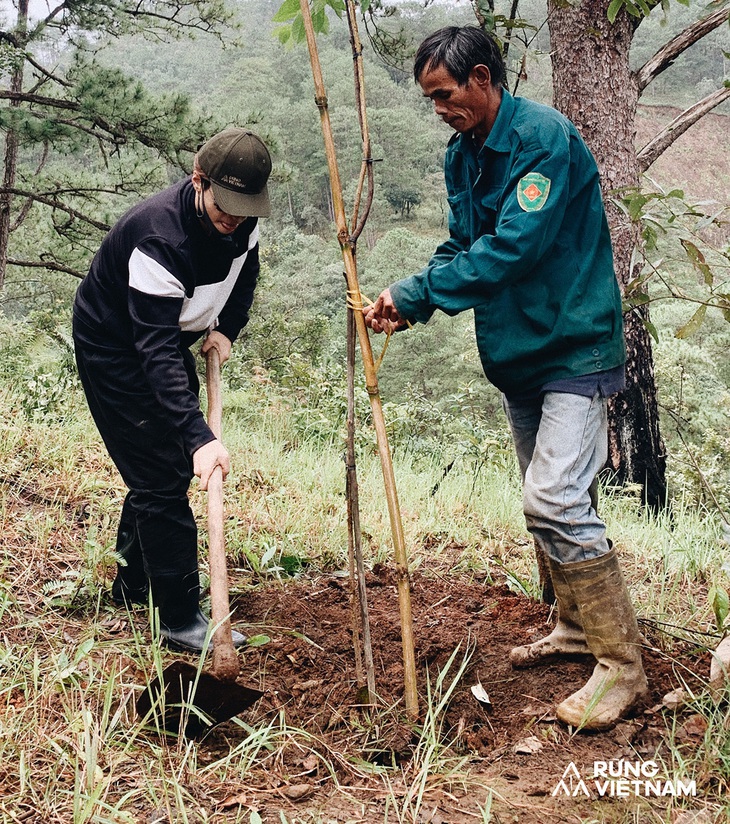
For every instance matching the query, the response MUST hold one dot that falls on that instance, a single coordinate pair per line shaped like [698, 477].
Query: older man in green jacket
[530, 252]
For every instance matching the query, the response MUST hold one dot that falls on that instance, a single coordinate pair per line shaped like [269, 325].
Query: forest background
[297, 332]
[285, 384]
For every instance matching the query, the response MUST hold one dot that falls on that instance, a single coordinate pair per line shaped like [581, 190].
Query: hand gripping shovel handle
[226, 665]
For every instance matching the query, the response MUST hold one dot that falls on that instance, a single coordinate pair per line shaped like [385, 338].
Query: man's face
[468, 108]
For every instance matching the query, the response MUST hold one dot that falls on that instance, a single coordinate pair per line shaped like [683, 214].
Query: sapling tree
[306, 21]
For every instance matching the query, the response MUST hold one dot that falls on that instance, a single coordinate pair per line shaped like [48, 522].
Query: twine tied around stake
[357, 302]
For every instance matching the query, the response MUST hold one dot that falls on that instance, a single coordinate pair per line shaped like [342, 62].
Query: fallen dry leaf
[674, 699]
[310, 763]
[233, 801]
[528, 746]
[296, 792]
[694, 727]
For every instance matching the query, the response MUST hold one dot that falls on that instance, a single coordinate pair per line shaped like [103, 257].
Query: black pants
[149, 454]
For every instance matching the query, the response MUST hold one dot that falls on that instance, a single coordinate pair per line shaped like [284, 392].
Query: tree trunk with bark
[11, 147]
[594, 87]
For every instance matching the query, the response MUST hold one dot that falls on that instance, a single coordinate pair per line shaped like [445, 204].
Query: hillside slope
[698, 162]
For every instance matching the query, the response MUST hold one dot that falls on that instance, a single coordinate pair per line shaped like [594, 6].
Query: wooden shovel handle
[225, 659]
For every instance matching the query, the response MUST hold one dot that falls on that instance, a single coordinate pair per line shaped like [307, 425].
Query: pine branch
[664, 139]
[46, 72]
[180, 16]
[51, 265]
[52, 102]
[58, 205]
[200, 25]
[48, 19]
[100, 128]
[9, 37]
[26, 207]
[671, 50]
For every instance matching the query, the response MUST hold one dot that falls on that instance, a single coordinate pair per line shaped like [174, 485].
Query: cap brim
[240, 205]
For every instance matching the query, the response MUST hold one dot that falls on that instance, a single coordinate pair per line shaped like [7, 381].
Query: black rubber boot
[131, 585]
[182, 624]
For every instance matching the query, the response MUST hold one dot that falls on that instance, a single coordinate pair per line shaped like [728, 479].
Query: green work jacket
[529, 251]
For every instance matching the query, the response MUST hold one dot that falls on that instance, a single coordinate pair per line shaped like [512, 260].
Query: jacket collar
[498, 138]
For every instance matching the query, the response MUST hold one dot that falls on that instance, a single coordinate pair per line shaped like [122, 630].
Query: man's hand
[206, 459]
[220, 342]
[382, 316]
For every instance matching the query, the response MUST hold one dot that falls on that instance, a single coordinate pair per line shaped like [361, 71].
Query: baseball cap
[238, 164]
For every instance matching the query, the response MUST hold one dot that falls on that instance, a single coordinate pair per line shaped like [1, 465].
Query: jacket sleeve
[155, 300]
[234, 315]
[463, 275]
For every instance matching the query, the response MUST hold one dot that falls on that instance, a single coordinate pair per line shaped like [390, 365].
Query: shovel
[200, 700]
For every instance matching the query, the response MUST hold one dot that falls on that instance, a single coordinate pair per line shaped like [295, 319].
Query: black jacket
[156, 285]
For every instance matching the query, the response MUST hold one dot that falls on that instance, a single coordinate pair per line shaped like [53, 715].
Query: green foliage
[153, 18]
[694, 393]
[290, 12]
[126, 110]
[678, 238]
[46, 392]
[81, 584]
[720, 603]
[86, 133]
[640, 8]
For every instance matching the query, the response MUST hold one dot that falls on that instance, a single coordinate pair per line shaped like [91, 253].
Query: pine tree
[79, 135]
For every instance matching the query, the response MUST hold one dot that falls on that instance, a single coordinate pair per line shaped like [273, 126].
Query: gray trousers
[562, 444]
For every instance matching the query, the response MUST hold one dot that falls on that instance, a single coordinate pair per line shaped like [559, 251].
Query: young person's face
[223, 222]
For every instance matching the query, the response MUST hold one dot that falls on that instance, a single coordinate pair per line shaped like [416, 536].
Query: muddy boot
[567, 638]
[547, 588]
[612, 634]
[130, 585]
[183, 626]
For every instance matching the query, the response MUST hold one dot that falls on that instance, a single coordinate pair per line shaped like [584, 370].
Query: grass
[71, 746]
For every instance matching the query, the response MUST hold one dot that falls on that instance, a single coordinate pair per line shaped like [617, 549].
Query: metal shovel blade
[194, 701]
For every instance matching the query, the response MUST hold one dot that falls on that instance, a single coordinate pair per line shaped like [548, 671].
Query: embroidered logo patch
[532, 191]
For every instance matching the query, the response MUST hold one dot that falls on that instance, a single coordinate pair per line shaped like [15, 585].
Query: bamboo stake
[347, 246]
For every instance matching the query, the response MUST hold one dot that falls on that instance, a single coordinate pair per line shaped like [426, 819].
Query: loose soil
[514, 745]
[323, 767]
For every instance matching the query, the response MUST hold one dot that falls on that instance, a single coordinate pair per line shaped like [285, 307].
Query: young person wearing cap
[530, 253]
[181, 265]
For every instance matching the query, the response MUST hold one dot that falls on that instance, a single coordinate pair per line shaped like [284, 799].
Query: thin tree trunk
[10, 168]
[347, 246]
[594, 86]
[358, 593]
